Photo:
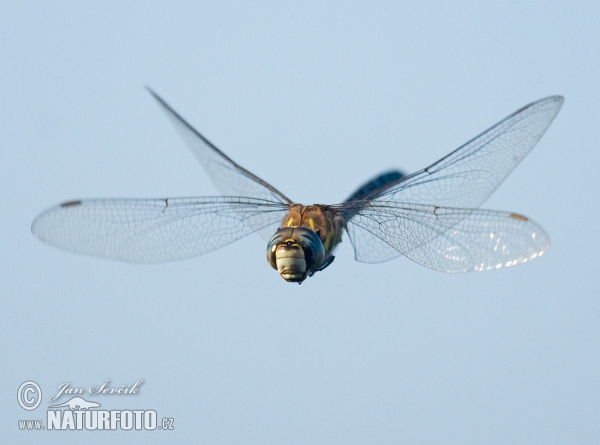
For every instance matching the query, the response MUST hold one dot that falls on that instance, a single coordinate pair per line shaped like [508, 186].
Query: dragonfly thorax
[296, 252]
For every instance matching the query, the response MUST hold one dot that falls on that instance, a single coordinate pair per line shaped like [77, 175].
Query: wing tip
[150, 90]
[556, 99]
[159, 99]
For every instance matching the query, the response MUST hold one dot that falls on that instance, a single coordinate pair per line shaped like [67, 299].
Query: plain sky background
[314, 98]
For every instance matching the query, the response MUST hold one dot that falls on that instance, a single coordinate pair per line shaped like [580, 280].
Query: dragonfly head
[295, 252]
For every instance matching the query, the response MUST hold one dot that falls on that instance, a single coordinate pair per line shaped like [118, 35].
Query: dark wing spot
[519, 217]
[522, 108]
[71, 204]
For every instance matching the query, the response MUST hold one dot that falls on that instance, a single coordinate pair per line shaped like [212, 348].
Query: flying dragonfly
[430, 216]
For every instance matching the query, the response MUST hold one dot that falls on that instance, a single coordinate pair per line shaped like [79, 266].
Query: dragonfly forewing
[470, 174]
[230, 178]
[153, 230]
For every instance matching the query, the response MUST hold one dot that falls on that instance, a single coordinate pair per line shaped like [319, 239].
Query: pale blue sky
[389, 353]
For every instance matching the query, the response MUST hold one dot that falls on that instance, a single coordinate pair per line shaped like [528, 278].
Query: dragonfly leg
[323, 266]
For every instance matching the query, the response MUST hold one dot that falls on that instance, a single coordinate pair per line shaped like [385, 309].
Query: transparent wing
[445, 239]
[230, 178]
[368, 248]
[153, 230]
[469, 175]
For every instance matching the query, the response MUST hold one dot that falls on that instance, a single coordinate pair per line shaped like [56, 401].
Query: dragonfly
[431, 216]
